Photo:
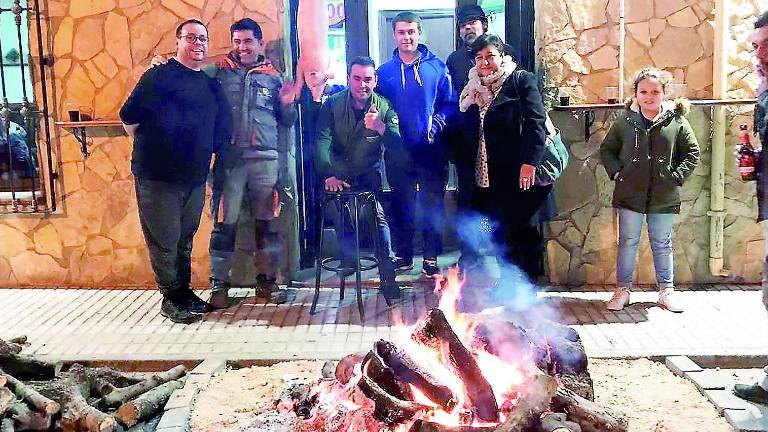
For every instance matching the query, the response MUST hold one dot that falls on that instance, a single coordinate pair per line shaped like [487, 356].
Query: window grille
[26, 161]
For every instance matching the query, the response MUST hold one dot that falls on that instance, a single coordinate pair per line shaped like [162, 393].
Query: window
[24, 121]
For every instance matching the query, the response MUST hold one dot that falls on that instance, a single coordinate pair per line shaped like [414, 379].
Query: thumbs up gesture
[373, 120]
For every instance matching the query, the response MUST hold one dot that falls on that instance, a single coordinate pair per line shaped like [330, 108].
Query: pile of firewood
[36, 395]
[556, 397]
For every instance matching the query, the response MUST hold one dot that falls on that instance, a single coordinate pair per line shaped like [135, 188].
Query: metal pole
[717, 170]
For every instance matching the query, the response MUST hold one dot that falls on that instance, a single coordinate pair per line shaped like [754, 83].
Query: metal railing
[25, 123]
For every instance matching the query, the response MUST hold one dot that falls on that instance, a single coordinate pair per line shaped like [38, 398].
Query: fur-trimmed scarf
[481, 91]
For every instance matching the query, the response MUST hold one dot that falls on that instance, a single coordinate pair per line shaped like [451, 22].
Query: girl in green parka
[649, 152]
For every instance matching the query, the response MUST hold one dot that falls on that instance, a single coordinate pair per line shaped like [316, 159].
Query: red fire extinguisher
[747, 159]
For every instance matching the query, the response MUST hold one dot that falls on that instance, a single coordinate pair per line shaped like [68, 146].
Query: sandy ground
[653, 399]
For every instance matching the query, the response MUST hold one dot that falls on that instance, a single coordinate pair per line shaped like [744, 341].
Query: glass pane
[12, 56]
[495, 11]
[337, 41]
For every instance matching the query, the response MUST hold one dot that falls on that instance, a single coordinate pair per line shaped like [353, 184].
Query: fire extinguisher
[747, 157]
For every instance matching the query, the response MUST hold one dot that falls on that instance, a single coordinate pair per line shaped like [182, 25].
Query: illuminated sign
[335, 13]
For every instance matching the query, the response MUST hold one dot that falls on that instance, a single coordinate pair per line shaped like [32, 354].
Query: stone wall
[101, 48]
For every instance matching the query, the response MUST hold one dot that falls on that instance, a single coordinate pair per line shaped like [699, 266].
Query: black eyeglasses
[192, 38]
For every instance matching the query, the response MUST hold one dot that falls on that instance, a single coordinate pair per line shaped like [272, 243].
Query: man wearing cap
[472, 23]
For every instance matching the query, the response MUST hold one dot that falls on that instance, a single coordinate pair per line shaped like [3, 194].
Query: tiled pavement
[125, 325]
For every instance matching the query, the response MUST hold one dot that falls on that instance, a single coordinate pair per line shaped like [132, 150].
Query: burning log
[538, 396]
[7, 426]
[31, 396]
[556, 422]
[345, 370]
[26, 419]
[435, 331]
[385, 377]
[299, 397]
[409, 371]
[389, 410]
[591, 416]
[119, 396]
[147, 404]
[427, 426]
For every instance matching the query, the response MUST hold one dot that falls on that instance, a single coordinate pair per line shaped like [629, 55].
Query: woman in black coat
[503, 126]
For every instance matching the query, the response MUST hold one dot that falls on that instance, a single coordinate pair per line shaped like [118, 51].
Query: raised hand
[373, 120]
[287, 93]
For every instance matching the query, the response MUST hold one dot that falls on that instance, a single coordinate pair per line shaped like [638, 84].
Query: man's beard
[469, 38]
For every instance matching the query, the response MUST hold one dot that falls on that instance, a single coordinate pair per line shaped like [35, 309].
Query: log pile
[37, 395]
[555, 397]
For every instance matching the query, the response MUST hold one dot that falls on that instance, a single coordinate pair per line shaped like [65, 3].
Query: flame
[507, 379]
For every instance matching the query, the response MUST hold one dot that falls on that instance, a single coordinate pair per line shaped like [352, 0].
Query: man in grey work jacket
[254, 164]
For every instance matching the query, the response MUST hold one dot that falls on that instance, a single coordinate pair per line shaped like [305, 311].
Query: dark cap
[470, 13]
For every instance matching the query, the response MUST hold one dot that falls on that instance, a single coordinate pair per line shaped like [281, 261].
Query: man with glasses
[177, 117]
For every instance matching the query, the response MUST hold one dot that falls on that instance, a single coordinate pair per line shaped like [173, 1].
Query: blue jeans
[660, 236]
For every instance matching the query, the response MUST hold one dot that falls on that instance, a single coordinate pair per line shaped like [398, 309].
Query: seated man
[355, 126]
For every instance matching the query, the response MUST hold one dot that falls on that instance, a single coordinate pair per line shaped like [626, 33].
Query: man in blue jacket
[419, 87]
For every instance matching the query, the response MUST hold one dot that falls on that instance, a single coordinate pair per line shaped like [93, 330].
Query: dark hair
[762, 20]
[408, 17]
[663, 77]
[247, 24]
[361, 61]
[189, 21]
[487, 40]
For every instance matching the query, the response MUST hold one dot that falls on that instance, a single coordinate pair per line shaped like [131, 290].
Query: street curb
[178, 410]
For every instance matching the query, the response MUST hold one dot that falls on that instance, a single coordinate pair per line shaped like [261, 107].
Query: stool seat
[355, 200]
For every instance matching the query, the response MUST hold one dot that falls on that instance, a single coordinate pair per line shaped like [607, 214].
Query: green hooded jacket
[650, 165]
[345, 148]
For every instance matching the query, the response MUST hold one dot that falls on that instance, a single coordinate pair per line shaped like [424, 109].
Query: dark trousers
[343, 218]
[170, 215]
[406, 170]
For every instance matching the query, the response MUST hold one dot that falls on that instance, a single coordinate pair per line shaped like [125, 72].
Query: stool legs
[319, 259]
[358, 281]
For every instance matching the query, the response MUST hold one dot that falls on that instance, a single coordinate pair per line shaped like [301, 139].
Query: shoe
[619, 300]
[753, 393]
[176, 311]
[391, 291]
[402, 264]
[267, 289]
[219, 294]
[430, 269]
[667, 300]
[193, 303]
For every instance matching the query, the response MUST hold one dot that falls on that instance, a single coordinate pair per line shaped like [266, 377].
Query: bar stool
[353, 200]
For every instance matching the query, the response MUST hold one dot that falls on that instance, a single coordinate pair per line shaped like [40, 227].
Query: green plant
[12, 56]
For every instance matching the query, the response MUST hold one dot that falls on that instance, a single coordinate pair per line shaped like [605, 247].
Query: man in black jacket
[177, 117]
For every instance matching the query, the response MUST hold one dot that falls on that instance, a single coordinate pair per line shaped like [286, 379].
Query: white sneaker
[619, 300]
[667, 300]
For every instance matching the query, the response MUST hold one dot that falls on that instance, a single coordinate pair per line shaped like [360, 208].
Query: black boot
[267, 288]
[193, 303]
[219, 294]
[389, 288]
[175, 309]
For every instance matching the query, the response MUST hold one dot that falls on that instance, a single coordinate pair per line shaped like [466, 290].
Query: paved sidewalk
[125, 325]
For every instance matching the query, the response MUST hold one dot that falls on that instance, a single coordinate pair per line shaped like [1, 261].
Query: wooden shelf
[90, 124]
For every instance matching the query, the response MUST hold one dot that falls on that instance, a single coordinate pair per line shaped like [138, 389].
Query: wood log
[146, 405]
[411, 372]
[28, 368]
[591, 416]
[388, 409]
[427, 426]
[9, 348]
[6, 425]
[435, 331]
[21, 340]
[581, 384]
[3, 380]
[26, 419]
[31, 396]
[102, 387]
[345, 369]
[115, 377]
[77, 415]
[536, 400]
[119, 396]
[6, 399]
[556, 422]
[298, 397]
[385, 377]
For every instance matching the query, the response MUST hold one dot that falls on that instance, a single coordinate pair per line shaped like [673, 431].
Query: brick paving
[125, 325]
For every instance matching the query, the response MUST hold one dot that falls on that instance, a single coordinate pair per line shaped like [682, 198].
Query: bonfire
[459, 372]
